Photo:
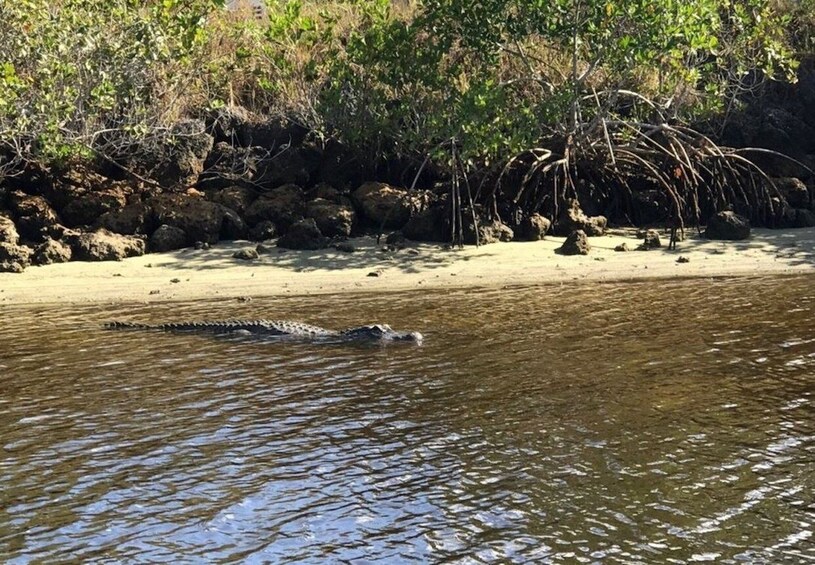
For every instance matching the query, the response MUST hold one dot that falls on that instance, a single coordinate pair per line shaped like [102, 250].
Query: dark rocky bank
[234, 175]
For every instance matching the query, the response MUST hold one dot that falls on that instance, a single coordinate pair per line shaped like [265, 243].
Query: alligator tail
[126, 326]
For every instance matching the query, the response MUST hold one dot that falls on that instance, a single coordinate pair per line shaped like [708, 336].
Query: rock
[226, 124]
[104, 245]
[227, 166]
[284, 206]
[396, 241]
[167, 238]
[88, 207]
[8, 231]
[728, 225]
[11, 267]
[175, 160]
[488, 232]
[622, 247]
[59, 232]
[22, 204]
[247, 254]
[263, 231]
[262, 248]
[432, 224]
[382, 204]
[804, 218]
[333, 219]
[683, 259]
[94, 192]
[572, 218]
[235, 124]
[129, 220]
[327, 192]
[805, 89]
[200, 219]
[785, 215]
[233, 226]
[783, 131]
[794, 191]
[14, 258]
[777, 167]
[272, 132]
[262, 165]
[34, 215]
[286, 166]
[345, 247]
[50, 252]
[68, 185]
[201, 246]
[533, 228]
[32, 228]
[341, 166]
[303, 235]
[237, 198]
[650, 241]
[577, 243]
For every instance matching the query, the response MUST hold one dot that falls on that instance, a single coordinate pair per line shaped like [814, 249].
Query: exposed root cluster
[695, 174]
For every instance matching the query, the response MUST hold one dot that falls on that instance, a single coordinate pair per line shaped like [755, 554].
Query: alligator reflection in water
[618, 425]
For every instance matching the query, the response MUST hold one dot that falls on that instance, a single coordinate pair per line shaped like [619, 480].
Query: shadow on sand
[368, 255]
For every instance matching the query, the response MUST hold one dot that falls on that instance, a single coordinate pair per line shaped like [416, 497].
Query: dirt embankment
[238, 176]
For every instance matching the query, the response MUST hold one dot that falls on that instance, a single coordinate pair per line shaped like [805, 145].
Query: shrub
[75, 70]
[471, 88]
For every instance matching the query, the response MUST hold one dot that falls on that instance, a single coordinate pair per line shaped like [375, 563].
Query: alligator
[282, 328]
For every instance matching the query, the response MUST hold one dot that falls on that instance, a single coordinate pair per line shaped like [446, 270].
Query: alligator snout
[408, 336]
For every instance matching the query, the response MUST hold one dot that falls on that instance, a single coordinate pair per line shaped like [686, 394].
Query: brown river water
[650, 422]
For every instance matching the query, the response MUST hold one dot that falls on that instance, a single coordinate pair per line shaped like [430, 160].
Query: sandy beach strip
[214, 274]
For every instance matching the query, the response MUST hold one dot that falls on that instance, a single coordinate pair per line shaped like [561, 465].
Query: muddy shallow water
[630, 422]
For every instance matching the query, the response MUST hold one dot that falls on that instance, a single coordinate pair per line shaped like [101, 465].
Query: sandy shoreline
[213, 274]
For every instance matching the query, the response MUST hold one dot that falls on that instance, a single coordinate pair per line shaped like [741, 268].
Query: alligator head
[382, 332]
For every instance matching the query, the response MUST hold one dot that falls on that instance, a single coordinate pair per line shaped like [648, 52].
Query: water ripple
[656, 422]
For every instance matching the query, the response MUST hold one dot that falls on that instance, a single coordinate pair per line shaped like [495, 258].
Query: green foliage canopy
[462, 69]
